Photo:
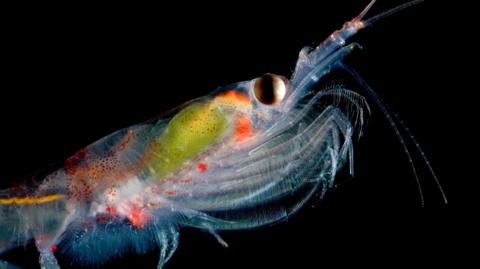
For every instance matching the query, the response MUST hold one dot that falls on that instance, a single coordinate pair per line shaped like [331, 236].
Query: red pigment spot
[103, 218]
[138, 217]
[72, 162]
[202, 167]
[111, 210]
[186, 180]
[170, 192]
[244, 128]
[130, 135]
[155, 189]
[53, 248]
[111, 193]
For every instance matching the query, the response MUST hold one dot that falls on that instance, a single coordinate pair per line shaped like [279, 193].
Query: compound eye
[270, 89]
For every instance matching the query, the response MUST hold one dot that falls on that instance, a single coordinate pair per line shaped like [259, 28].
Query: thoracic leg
[47, 259]
[167, 237]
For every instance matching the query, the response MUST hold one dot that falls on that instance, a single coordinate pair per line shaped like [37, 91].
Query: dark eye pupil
[264, 89]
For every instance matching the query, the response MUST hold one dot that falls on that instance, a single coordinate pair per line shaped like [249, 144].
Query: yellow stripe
[28, 200]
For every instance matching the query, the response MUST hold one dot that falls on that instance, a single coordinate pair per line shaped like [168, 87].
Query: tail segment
[23, 216]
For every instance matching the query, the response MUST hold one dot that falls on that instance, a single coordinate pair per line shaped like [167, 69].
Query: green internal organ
[187, 134]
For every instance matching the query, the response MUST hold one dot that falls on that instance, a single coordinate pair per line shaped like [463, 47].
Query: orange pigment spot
[244, 128]
[153, 204]
[42, 237]
[202, 167]
[231, 98]
[138, 217]
[235, 96]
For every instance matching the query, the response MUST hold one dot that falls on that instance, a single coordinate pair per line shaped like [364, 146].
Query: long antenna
[386, 111]
[387, 13]
[364, 11]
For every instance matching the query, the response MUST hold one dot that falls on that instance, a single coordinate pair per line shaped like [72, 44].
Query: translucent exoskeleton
[249, 154]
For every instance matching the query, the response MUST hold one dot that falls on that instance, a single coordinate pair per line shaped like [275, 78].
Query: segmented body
[237, 158]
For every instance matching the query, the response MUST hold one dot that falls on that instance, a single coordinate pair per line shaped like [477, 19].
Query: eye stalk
[270, 89]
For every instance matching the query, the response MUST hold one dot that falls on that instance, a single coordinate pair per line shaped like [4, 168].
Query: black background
[69, 79]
